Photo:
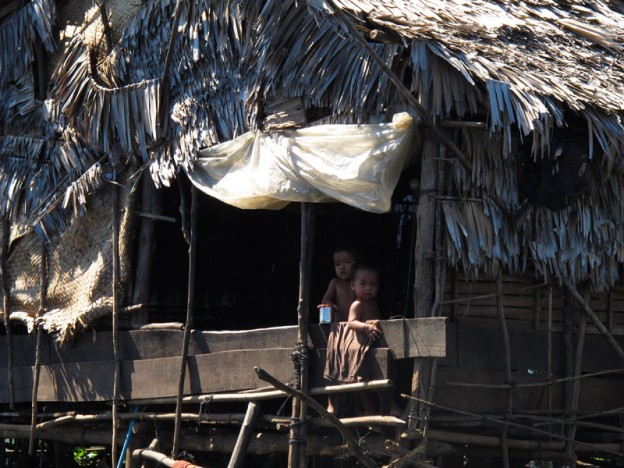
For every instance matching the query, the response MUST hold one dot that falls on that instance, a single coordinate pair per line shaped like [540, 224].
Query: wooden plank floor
[82, 370]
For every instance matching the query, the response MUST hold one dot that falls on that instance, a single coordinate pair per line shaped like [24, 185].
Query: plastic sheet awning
[358, 165]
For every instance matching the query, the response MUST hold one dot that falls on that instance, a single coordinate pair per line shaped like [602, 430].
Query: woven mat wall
[79, 278]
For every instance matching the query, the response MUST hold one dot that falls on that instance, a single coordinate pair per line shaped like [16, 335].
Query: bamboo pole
[549, 353]
[158, 457]
[242, 443]
[37, 368]
[189, 321]
[424, 270]
[576, 386]
[116, 361]
[266, 395]
[488, 296]
[352, 443]
[603, 447]
[6, 233]
[507, 354]
[164, 79]
[297, 439]
[538, 384]
[592, 316]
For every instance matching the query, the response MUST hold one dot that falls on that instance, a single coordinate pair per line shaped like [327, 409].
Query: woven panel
[79, 271]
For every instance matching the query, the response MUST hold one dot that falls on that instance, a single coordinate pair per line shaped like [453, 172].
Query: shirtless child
[339, 294]
[363, 311]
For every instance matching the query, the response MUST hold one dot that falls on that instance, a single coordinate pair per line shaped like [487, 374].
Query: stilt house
[175, 175]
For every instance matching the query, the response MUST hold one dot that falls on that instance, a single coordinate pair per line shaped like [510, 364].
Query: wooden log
[242, 443]
[37, 368]
[348, 437]
[189, 318]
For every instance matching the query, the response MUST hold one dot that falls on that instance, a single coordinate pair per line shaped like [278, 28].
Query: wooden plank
[148, 378]
[410, 338]
[424, 337]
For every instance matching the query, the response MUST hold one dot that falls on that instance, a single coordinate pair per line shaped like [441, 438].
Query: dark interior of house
[247, 270]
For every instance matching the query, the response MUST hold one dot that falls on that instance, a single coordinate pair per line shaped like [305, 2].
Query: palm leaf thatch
[19, 32]
[524, 68]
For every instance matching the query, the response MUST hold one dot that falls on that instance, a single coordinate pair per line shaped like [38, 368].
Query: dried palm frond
[18, 34]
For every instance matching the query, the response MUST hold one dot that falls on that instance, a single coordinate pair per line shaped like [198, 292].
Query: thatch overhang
[520, 67]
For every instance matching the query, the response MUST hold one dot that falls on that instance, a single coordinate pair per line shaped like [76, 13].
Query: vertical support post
[36, 371]
[117, 364]
[576, 383]
[610, 315]
[298, 433]
[549, 352]
[189, 323]
[151, 202]
[507, 351]
[6, 234]
[244, 436]
[424, 267]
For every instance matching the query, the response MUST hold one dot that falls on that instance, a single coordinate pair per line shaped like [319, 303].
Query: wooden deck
[82, 370]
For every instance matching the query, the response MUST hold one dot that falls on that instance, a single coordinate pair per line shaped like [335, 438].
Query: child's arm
[357, 324]
[330, 295]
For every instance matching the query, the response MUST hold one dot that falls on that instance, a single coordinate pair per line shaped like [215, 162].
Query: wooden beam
[242, 443]
[189, 320]
[352, 443]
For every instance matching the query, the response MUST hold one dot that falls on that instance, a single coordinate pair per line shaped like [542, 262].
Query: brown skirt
[346, 350]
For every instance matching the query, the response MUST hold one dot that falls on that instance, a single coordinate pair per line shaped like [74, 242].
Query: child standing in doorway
[339, 294]
[364, 315]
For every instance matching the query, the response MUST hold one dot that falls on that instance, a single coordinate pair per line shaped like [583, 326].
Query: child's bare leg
[330, 404]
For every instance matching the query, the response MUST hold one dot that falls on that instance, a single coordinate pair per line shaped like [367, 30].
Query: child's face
[343, 261]
[365, 285]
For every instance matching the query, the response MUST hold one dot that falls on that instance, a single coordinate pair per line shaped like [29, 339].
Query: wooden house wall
[476, 355]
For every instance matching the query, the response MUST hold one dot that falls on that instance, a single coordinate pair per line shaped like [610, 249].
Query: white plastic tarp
[355, 164]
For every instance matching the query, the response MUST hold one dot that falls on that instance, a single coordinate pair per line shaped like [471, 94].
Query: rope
[300, 357]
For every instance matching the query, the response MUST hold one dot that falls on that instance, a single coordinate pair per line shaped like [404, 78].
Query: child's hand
[372, 331]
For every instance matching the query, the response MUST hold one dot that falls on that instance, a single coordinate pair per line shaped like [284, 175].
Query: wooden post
[549, 352]
[298, 433]
[189, 321]
[424, 266]
[352, 443]
[151, 202]
[117, 369]
[6, 234]
[36, 370]
[576, 384]
[236, 460]
[507, 351]
[164, 79]
[595, 320]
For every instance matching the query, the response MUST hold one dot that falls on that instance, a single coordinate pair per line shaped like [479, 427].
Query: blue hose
[124, 449]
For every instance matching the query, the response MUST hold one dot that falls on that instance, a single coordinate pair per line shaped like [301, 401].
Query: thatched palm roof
[521, 67]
